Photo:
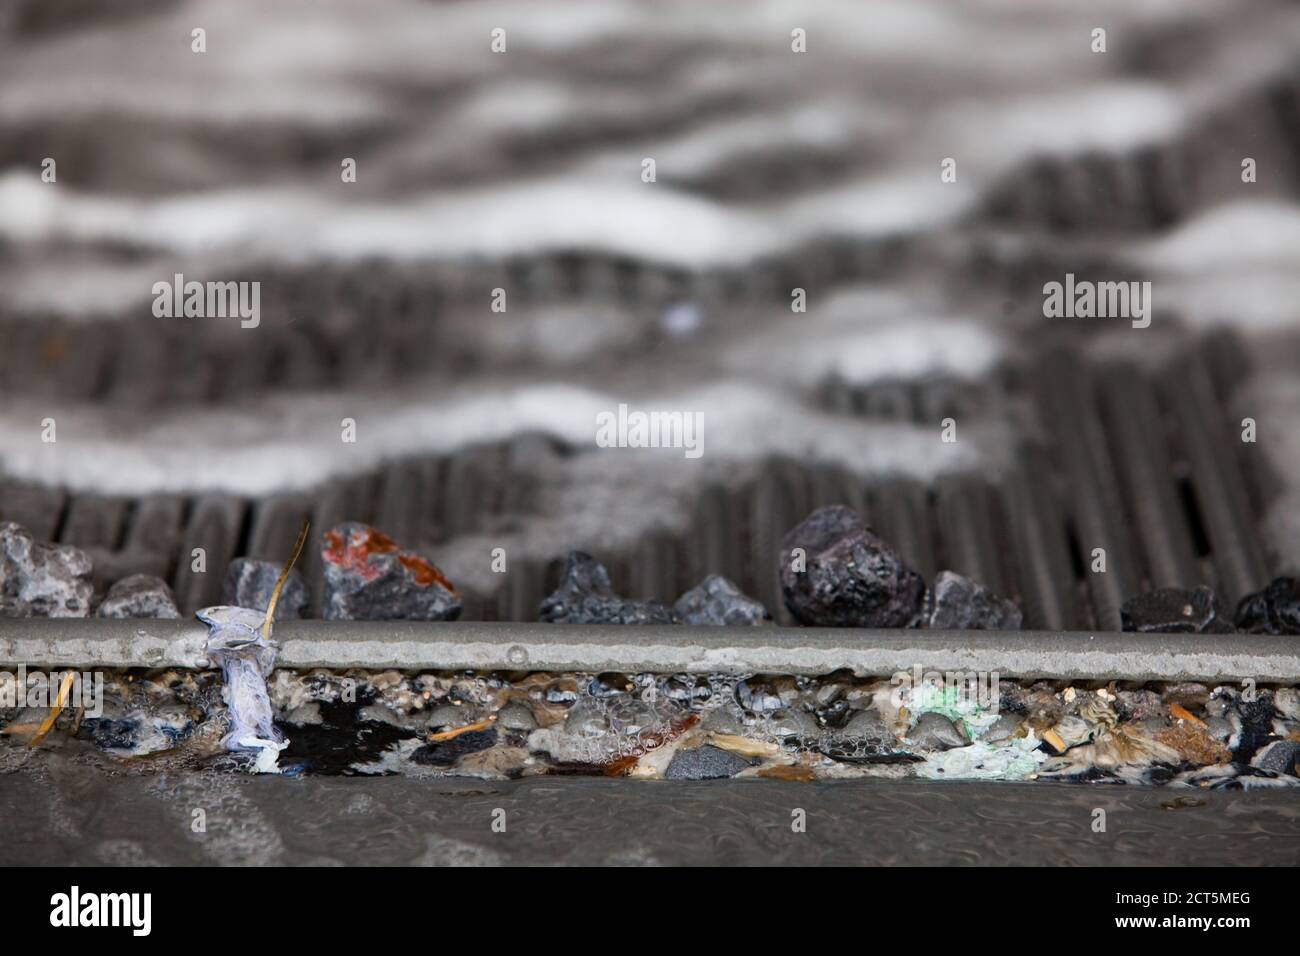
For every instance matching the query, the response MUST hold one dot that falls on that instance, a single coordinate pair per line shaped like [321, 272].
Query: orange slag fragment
[424, 572]
[372, 542]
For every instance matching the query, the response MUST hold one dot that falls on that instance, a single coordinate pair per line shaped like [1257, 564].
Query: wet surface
[61, 816]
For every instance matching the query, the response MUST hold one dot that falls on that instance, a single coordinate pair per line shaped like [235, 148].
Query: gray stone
[564, 747]
[827, 694]
[864, 738]
[249, 583]
[1274, 610]
[1138, 704]
[936, 732]
[516, 716]
[723, 720]
[307, 714]
[585, 596]
[140, 595]
[1220, 728]
[1175, 611]
[42, 580]
[867, 723]
[632, 716]
[717, 601]
[586, 719]
[850, 577]
[447, 716]
[379, 714]
[705, 763]
[1279, 757]
[1286, 701]
[1004, 730]
[957, 603]
[794, 723]
[368, 578]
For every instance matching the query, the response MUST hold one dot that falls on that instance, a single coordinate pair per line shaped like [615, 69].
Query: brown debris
[1053, 738]
[57, 709]
[1179, 712]
[1193, 744]
[450, 734]
[797, 772]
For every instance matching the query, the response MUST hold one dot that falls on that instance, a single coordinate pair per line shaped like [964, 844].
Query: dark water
[64, 815]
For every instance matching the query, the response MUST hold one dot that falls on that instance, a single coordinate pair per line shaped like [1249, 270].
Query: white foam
[294, 442]
[866, 334]
[1254, 233]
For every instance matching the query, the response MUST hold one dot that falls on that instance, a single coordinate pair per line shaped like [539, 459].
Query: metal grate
[1138, 463]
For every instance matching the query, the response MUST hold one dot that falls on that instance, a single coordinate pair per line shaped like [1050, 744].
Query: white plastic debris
[236, 642]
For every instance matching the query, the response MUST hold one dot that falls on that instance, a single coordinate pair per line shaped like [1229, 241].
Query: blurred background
[522, 171]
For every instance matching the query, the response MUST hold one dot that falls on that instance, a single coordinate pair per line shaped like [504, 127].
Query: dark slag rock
[1274, 610]
[1256, 731]
[1282, 756]
[851, 579]
[585, 596]
[717, 601]
[367, 578]
[42, 580]
[1175, 611]
[444, 753]
[140, 595]
[705, 763]
[249, 584]
[957, 603]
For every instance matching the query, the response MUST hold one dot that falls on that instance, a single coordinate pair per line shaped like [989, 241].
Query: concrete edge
[416, 645]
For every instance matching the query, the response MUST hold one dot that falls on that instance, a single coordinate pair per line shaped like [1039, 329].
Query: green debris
[1015, 760]
[959, 705]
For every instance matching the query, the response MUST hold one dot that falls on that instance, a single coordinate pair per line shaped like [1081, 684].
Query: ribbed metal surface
[1126, 460]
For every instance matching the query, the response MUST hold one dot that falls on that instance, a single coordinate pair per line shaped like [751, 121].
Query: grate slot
[1238, 558]
[1134, 425]
[215, 527]
[1044, 558]
[1082, 455]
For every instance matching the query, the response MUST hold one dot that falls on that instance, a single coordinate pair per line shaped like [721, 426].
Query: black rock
[249, 584]
[367, 578]
[39, 579]
[705, 763]
[444, 753]
[957, 603]
[851, 578]
[1256, 725]
[1274, 610]
[140, 595]
[717, 601]
[1175, 611]
[585, 596]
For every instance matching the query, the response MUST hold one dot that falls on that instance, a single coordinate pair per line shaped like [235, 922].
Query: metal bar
[1047, 584]
[1143, 464]
[1237, 554]
[414, 645]
[1066, 393]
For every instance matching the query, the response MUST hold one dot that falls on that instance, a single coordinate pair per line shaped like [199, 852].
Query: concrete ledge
[409, 645]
